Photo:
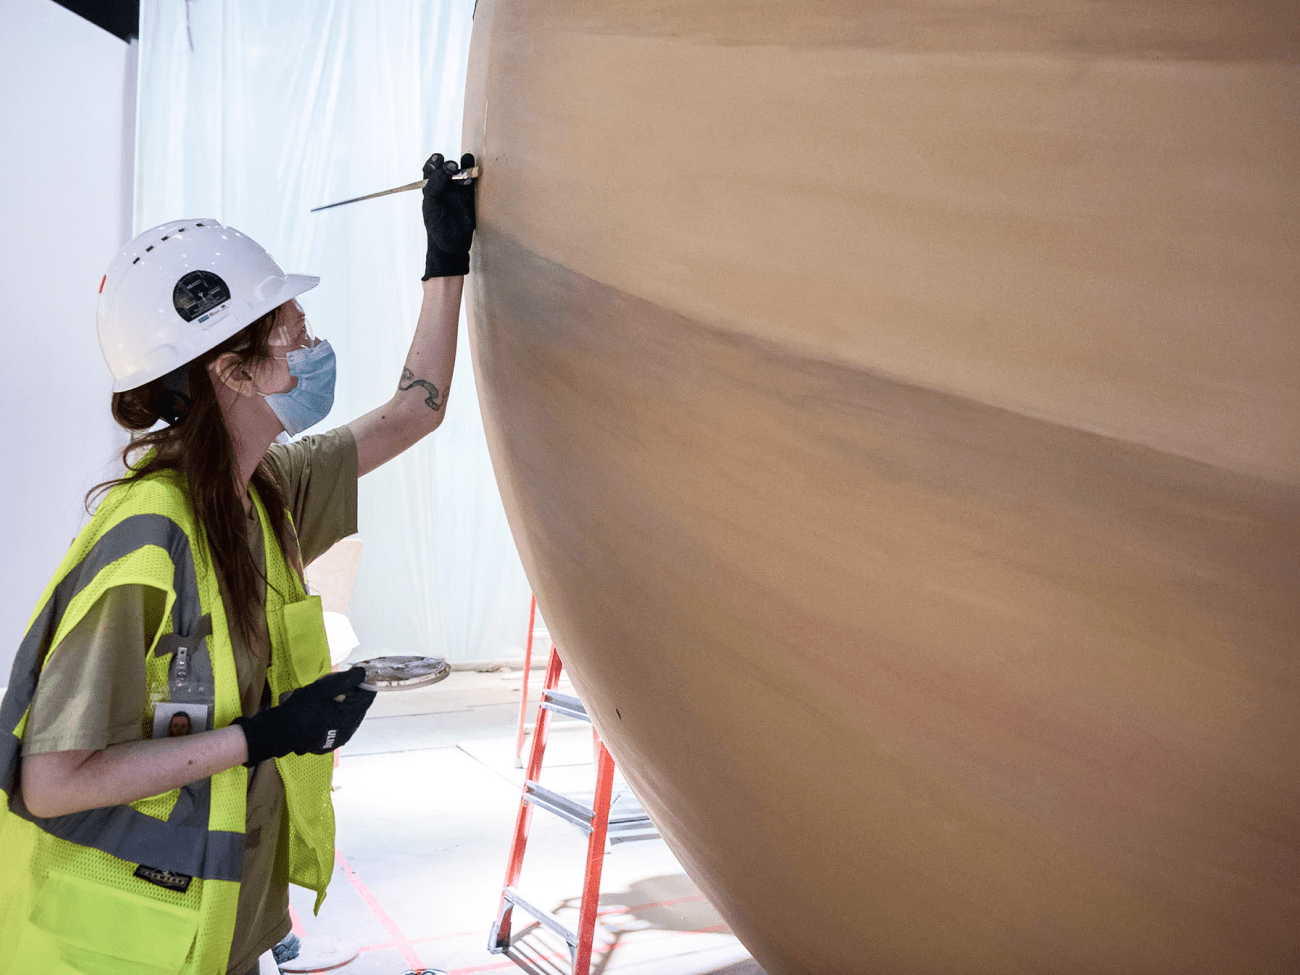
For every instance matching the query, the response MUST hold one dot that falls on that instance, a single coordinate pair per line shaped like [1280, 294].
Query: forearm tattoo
[409, 381]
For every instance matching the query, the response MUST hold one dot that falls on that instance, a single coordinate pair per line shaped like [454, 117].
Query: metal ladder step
[625, 825]
[546, 918]
[562, 806]
[565, 704]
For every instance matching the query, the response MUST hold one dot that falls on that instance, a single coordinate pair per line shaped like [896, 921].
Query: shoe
[287, 949]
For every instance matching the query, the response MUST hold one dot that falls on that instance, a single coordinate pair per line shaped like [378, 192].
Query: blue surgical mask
[307, 403]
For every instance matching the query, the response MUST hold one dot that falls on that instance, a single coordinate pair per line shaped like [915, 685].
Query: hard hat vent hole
[136, 261]
[166, 237]
[147, 250]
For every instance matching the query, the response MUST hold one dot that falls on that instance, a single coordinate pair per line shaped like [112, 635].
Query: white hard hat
[180, 289]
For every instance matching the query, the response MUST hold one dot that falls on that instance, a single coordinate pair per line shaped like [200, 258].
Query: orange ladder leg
[528, 663]
[595, 858]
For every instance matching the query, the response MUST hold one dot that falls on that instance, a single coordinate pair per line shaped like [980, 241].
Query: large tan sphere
[897, 409]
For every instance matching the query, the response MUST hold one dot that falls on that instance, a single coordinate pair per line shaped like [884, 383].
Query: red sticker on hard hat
[101, 283]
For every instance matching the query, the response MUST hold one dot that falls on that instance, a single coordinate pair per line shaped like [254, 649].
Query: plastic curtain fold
[255, 111]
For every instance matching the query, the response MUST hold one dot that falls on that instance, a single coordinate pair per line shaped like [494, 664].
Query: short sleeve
[91, 691]
[318, 475]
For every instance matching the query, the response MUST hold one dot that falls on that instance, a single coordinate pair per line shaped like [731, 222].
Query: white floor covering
[426, 795]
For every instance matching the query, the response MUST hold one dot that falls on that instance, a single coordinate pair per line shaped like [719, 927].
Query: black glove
[448, 217]
[317, 718]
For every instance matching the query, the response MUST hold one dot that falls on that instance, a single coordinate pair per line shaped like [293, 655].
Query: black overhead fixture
[119, 17]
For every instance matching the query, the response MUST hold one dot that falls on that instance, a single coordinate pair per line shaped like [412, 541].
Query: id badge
[176, 719]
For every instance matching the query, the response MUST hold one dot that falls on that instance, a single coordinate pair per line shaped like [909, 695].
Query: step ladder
[595, 821]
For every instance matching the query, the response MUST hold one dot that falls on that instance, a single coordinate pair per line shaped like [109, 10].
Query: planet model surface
[897, 410]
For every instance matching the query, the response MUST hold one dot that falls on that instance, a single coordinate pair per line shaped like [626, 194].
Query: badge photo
[176, 719]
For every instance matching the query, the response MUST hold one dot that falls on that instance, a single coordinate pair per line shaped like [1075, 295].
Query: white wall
[67, 121]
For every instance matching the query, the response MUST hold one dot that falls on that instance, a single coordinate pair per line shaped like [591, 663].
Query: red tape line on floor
[630, 908]
[454, 935]
[384, 946]
[595, 956]
[407, 945]
[400, 941]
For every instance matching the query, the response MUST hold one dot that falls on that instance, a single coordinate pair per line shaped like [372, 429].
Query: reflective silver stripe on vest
[183, 844]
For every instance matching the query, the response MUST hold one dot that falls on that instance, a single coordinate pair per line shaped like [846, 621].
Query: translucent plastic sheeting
[255, 111]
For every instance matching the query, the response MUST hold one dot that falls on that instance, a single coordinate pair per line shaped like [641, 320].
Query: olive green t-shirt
[91, 692]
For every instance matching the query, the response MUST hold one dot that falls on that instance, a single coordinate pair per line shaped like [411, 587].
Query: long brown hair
[199, 447]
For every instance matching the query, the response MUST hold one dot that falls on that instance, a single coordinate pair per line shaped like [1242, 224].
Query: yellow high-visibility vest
[151, 888]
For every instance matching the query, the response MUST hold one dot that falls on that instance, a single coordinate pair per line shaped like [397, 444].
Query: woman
[129, 847]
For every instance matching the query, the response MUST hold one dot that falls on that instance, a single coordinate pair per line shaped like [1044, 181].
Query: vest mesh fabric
[295, 619]
[57, 890]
